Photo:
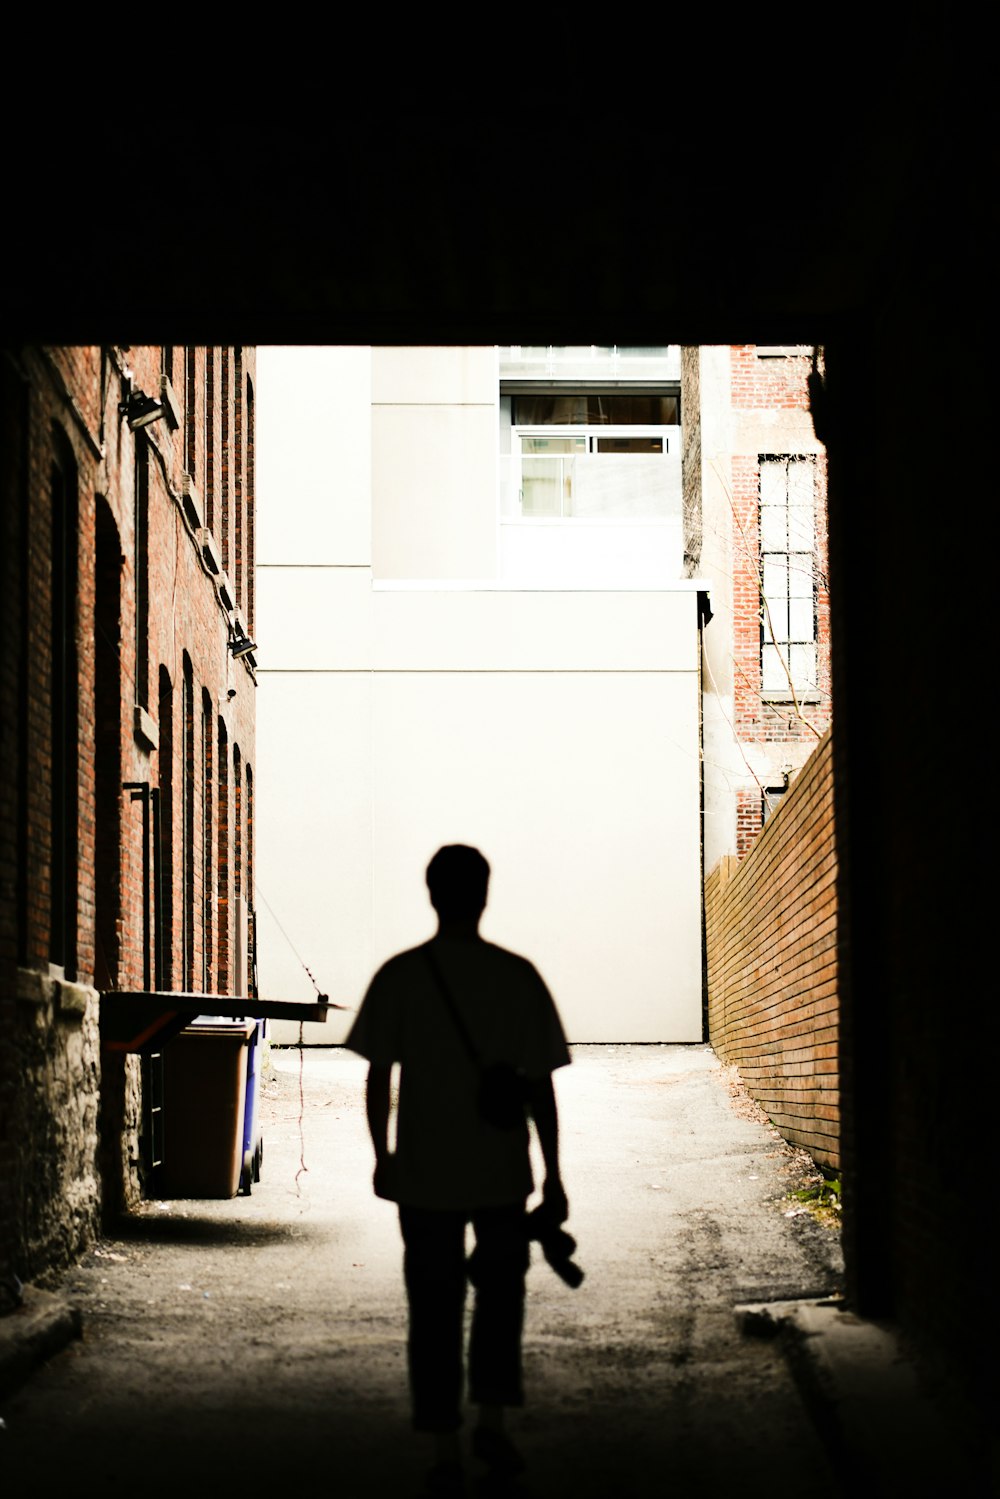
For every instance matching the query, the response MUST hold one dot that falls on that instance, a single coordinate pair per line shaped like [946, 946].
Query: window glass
[787, 532]
[592, 409]
[553, 445]
[628, 444]
[592, 454]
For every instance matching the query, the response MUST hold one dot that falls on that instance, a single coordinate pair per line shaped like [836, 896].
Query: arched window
[222, 864]
[64, 789]
[207, 842]
[190, 412]
[187, 828]
[239, 498]
[249, 837]
[225, 496]
[210, 376]
[251, 904]
[251, 542]
[237, 822]
[140, 569]
[107, 748]
[163, 894]
[239, 904]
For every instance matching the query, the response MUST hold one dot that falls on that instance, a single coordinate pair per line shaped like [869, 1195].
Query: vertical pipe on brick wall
[158, 912]
[140, 793]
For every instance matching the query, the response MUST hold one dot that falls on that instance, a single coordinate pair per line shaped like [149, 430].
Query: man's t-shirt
[446, 1155]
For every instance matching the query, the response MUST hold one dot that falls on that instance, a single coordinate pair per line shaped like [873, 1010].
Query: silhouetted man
[446, 1011]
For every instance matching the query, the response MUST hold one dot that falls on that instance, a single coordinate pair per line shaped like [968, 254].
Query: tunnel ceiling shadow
[677, 221]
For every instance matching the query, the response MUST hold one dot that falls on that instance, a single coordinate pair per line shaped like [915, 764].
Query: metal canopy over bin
[139, 1020]
[202, 1052]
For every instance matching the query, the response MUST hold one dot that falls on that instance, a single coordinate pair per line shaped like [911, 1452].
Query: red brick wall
[771, 931]
[67, 401]
[769, 385]
[186, 619]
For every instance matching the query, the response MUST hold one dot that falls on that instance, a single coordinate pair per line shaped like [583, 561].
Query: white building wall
[556, 728]
[591, 553]
[724, 768]
[434, 473]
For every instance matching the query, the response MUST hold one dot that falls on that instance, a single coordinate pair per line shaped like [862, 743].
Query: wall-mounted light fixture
[140, 410]
[241, 645]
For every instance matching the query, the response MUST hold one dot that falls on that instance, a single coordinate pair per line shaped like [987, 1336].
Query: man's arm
[542, 1105]
[377, 1108]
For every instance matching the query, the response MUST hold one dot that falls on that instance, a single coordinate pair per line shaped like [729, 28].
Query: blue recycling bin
[253, 1140]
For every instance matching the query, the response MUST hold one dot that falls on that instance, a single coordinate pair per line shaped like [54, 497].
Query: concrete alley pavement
[241, 1344]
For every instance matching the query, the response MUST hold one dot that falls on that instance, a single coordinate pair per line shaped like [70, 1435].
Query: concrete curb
[41, 1326]
[887, 1425]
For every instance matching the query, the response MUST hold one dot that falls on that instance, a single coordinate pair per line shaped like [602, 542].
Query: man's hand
[384, 1180]
[554, 1200]
[377, 1106]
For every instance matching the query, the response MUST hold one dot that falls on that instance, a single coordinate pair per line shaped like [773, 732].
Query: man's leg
[499, 1265]
[434, 1272]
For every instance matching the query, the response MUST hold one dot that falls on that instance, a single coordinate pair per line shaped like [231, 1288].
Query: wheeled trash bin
[205, 1074]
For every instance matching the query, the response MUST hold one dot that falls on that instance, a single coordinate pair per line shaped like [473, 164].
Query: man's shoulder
[514, 966]
[491, 963]
[507, 955]
[401, 964]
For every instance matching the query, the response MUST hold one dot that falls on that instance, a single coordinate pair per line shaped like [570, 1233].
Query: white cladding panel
[433, 374]
[582, 791]
[313, 455]
[434, 488]
[331, 619]
[591, 554]
[313, 859]
[563, 742]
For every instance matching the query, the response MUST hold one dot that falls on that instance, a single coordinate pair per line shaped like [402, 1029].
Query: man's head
[458, 878]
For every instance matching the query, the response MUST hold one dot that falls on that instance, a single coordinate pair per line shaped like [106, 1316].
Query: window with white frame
[593, 455]
[788, 577]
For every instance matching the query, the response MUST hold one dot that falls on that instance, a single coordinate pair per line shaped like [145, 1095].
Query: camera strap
[452, 1008]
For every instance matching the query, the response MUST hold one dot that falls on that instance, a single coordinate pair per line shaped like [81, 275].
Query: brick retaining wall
[771, 933]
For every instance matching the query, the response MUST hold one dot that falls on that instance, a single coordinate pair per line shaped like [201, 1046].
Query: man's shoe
[497, 1451]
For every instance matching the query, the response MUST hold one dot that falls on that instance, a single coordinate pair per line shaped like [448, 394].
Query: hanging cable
[303, 1168]
[324, 997]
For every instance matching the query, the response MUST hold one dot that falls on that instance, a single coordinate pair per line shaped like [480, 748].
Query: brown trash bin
[204, 1096]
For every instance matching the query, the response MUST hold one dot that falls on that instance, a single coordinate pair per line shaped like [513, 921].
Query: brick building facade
[756, 530]
[785, 711]
[127, 694]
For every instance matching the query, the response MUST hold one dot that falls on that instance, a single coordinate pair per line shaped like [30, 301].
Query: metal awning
[140, 1020]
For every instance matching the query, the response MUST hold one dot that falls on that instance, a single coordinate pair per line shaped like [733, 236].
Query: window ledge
[70, 999]
[145, 729]
[171, 406]
[225, 588]
[192, 502]
[785, 698]
[209, 551]
[595, 522]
